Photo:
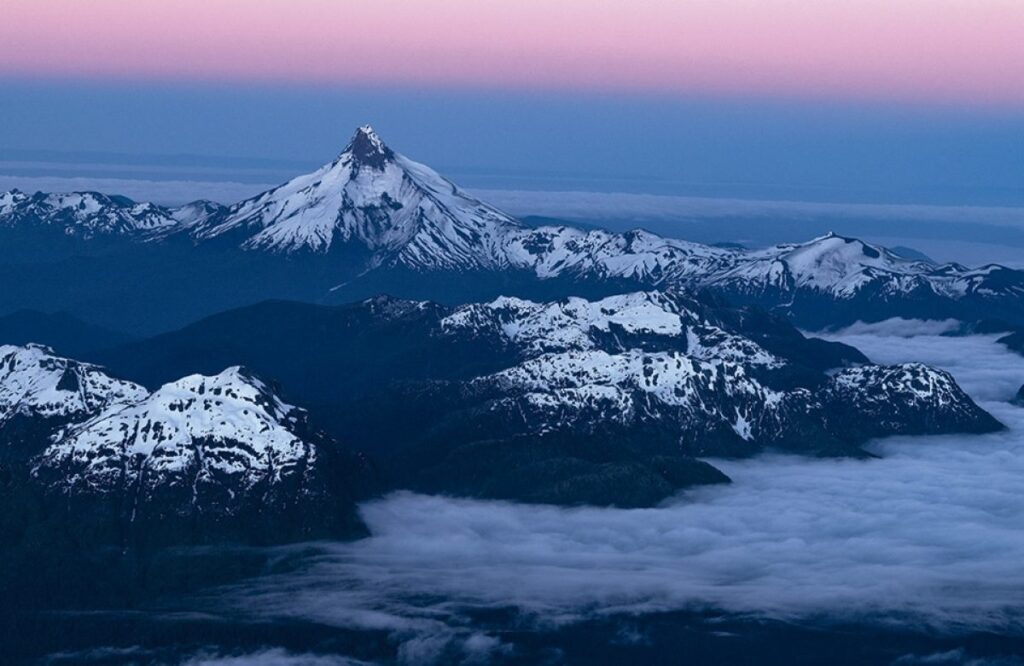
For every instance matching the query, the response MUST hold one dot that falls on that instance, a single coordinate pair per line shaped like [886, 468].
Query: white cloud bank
[930, 535]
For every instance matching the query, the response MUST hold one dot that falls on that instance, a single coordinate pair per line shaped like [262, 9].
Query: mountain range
[264, 385]
[373, 221]
[607, 402]
[201, 459]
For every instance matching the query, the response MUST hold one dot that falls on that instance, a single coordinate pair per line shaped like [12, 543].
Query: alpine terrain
[606, 401]
[374, 221]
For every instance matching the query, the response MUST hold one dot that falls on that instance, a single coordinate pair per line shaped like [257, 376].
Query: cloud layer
[928, 535]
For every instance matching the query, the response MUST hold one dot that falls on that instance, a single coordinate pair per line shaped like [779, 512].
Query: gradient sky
[909, 101]
[950, 51]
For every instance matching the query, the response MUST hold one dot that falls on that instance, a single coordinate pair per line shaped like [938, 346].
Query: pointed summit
[374, 200]
[367, 149]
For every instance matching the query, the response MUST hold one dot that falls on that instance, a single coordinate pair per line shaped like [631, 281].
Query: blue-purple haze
[743, 148]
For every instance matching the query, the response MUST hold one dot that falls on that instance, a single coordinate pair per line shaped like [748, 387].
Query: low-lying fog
[931, 535]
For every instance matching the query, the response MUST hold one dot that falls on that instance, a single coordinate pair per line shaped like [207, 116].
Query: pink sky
[945, 51]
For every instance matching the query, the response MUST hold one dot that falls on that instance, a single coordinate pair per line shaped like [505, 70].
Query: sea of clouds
[929, 535]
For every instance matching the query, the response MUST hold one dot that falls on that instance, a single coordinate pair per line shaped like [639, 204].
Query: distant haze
[696, 146]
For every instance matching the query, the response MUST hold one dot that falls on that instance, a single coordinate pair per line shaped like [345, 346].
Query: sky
[871, 101]
[918, 50]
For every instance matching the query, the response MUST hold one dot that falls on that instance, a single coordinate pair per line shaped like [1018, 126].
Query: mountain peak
[36, 381]
[367, 149]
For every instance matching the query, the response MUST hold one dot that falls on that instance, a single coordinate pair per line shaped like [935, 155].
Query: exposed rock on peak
[374, 201]
[367, 149]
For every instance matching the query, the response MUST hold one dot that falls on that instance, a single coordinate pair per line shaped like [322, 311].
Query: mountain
[83, 214]
[41, 392]
[373, 221]
[66, 334]
[199, 460]
[832, 280]
[206, 459]
[395, 209]
[324, 349]
[573, 401]
[910, 398]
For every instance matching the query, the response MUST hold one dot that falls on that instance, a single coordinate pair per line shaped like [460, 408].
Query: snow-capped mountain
[40, 392]
[830, 264]
[638, 257]
[373, 221]
[195, 214]
[83, 214]
[582, 389]
[397, 209]
[721, 394]
[198, 459]
[405, 214]
[553, 401]
[718, 407]
[210, 457]
[647, 376]
[204, 428]
[640, 320]
[909, 398]
[834, 280]
[35, 381]
[666, 356]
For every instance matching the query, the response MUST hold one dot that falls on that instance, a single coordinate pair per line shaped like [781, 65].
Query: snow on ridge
[554, 251]
[34, 381]
[567, 323]
[398, 207]
[229, 423]
[635, 384]
[575, 324]
[85, 214]
[915, 380]
[404, 214]
[843, 267]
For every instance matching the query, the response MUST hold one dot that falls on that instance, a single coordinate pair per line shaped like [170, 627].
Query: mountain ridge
[202, 459]
[468, 395]
[374, 221]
